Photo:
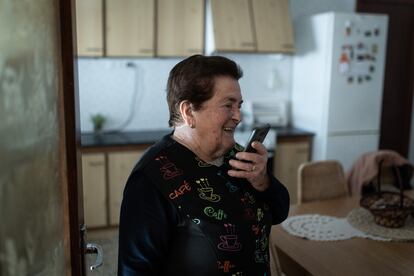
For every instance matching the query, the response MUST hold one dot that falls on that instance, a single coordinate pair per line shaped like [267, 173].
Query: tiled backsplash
[118, 88]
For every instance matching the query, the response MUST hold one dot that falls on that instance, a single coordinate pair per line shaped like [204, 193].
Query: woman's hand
[252, 166]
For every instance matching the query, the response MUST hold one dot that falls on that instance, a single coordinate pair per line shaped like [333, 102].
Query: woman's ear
[186, 110]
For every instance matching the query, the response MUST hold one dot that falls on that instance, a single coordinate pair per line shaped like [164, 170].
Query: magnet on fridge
[374, 48]
[376, 31]
[344, 64]
[367, 33]
[350, 79]
[372, 68]
[369, 57]
[348, 28]
[360, 79]
[367, 77]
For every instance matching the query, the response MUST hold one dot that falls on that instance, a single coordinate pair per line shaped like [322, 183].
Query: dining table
[354, 256]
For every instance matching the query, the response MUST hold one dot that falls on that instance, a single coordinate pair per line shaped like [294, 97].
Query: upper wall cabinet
[232, 26]
[89, 22]
[130, 27]
[273, 26]
[249, 26]
[175, 28]
[180, 27]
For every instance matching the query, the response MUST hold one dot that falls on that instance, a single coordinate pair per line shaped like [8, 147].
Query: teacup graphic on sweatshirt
[206, 192]
[168, 169]
[229, 241]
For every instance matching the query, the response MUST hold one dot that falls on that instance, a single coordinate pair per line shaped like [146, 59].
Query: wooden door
[180, 27]
[233, 26]
[273, 26]
[130, 28]
[399, 71]
[89, 21]
[38, 140]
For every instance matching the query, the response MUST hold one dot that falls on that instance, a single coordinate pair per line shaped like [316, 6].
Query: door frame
[399, 68]
[71, 124]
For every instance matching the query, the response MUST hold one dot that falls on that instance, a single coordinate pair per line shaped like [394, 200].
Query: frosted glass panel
[31, 211]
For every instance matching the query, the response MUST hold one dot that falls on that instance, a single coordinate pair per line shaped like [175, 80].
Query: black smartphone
[258, 134]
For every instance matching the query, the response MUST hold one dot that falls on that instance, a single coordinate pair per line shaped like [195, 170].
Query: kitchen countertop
[109, 139]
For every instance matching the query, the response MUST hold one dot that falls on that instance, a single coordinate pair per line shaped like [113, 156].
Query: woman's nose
[237, 115]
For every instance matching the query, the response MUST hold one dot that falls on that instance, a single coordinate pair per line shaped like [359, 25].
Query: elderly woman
[196, 204]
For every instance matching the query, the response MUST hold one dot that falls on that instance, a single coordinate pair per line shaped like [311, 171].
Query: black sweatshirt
[182, 216]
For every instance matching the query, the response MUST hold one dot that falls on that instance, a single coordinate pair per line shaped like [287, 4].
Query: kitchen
[114, 73]
[108, 79]
[106, 83]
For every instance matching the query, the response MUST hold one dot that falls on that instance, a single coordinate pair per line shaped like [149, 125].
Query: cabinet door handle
[95, 163]
[145, 51]
[245, 44]
[93, 49]
[302, 150]
[287, 46]
[193, 50]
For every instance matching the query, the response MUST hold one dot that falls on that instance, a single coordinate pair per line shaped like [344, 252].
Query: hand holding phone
[252, 167]
[258, 134]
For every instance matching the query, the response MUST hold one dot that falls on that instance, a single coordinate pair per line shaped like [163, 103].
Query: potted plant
[98, 121]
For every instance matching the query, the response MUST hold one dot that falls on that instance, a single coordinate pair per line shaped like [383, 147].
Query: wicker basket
[389, 209]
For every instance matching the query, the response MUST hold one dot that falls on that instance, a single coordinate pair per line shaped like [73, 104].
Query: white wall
[107, 85]
[299, 8]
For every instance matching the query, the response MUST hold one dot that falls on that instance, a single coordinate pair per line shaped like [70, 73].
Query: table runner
[363, 220]
[323, 228]
[359, 223]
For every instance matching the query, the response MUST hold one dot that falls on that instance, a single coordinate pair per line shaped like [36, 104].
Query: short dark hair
[193, 80]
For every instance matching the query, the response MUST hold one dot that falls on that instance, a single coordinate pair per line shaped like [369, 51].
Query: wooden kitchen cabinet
[105, 172]
[120, 165]
[130, 27]
[250, 26]
[94, 189]
[290, 153]
[89, 27]
[273, 26]
[232, 26]
[180, 27]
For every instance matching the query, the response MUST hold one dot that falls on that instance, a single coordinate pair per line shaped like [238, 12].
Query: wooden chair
[321, 180]
[317, 180]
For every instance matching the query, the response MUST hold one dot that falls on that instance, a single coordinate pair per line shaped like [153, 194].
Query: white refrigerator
[337, 83]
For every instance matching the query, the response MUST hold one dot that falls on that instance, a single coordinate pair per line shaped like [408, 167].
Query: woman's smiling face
[217, 119]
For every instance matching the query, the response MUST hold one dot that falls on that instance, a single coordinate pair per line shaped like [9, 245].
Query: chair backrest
[321, 180]
[365, 171]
